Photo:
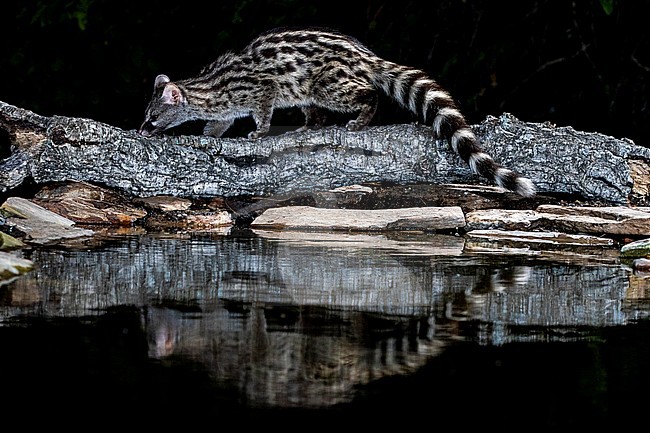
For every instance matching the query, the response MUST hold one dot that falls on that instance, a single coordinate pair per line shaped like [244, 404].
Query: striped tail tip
[483, 164]
[525, 187]
[512, 181]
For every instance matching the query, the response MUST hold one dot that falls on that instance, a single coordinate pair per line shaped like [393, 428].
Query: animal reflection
[292, 356]
[468, 304]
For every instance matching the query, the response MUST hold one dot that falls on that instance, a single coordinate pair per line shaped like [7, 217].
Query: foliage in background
[584, 64]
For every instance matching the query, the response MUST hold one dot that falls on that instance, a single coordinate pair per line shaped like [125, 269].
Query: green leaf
[608, 6]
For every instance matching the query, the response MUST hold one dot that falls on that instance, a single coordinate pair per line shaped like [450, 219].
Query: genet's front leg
[262, 117]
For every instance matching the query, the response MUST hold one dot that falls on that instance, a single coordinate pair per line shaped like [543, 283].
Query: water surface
[254, 326]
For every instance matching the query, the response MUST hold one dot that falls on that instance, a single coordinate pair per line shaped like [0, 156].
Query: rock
[642, 265]
[311, 218]
[84, 203]
[402, 243]
[612, 220]
[556, 247]
[564, 160]
[618, 220]
[640, 248]
[58, 148]
[8, 242]
[12, 266]
[165, 203]
[355, 189]
[40, 225]
[503, 219]
[202, 220]
[208, 220]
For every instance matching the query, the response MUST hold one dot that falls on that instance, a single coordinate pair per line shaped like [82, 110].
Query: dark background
[584, 64]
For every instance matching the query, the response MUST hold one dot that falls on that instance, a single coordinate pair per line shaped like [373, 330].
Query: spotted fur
[316, 70]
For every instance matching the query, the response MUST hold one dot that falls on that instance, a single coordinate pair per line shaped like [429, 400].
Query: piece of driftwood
[556, 159]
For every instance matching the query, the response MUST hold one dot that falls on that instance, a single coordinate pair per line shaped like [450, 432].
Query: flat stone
[551, 246]
[12, 266]
[356, 189]
[209, 220]
[22, 208]
[618, 220]
[84, 203]
[165, 203]
[605, 212]
[8, 242]
[40, 225]
[311, 218]
[504, 219]
[201, 220]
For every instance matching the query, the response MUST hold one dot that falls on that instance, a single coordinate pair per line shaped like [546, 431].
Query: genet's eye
[153, 118]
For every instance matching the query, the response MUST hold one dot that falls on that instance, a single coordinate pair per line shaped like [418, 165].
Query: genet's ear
[172, 94]
[161, 80]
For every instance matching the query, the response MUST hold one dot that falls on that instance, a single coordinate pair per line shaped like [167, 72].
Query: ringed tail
[416, 91]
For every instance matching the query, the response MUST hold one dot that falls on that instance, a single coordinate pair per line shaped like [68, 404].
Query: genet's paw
[354, 126]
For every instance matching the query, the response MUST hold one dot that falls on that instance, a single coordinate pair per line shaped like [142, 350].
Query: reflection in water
[306, 319]
[292, 357]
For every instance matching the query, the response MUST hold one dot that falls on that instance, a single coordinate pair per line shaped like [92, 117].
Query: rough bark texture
[557, 160]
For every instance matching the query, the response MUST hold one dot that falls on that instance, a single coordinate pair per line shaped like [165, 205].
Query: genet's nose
[145, 129]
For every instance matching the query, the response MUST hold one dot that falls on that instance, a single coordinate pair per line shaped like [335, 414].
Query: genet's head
[166, 108]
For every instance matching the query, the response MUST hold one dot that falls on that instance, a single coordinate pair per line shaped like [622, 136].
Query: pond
[264, 327]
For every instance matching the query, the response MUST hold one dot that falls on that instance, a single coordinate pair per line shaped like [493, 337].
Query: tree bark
[557, 159]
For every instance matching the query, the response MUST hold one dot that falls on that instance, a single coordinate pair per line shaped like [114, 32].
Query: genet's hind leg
[366, 101]
[314, 118]
[338, 89]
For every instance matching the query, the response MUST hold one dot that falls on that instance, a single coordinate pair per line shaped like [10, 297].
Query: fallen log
[557, 159]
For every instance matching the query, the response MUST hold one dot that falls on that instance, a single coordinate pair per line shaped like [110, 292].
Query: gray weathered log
[557, 160]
